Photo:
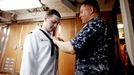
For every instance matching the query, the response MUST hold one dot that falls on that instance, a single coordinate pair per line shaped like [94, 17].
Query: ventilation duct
[6, 17]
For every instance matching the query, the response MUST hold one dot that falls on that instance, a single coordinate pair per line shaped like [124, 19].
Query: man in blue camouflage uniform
[93, 45]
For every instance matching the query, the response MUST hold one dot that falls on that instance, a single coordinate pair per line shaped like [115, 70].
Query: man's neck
[44, 29]
[94, 15]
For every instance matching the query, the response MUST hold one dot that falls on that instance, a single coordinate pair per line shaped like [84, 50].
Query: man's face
[85, 13]
[52, 22]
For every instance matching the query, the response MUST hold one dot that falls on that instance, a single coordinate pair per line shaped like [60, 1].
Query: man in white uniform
[39, 52]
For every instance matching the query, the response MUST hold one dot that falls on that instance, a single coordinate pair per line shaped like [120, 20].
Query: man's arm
[26, 61]
[28, 58]
[64, 46]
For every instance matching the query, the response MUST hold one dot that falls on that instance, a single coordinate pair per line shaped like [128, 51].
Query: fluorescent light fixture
[18, 4]
[120, 25]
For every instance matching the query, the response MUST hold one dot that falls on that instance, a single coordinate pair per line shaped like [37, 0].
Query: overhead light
[18, 4]
[120, 25]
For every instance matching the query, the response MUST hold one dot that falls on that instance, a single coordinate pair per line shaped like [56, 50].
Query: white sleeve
[28, 57]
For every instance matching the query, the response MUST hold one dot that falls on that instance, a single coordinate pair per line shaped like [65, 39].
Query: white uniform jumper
[37, 56]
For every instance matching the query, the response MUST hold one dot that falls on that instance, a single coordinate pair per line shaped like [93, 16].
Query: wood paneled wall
[66, 61]
[13, 52]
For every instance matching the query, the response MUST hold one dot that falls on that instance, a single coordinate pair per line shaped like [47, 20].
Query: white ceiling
[65, 7]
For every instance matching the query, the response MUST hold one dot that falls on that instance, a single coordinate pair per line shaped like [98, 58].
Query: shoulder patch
[30, 32]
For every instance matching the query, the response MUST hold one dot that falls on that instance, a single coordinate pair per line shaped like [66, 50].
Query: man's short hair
[93, 3]
[53, 12]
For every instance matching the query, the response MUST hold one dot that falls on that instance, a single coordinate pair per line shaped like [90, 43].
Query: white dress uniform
[37, 58]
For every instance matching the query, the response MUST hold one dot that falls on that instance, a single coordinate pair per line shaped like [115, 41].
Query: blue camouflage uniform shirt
[93, 45]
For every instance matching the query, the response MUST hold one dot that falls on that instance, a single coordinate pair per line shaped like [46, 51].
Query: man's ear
[91, 9]
[45, 18]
